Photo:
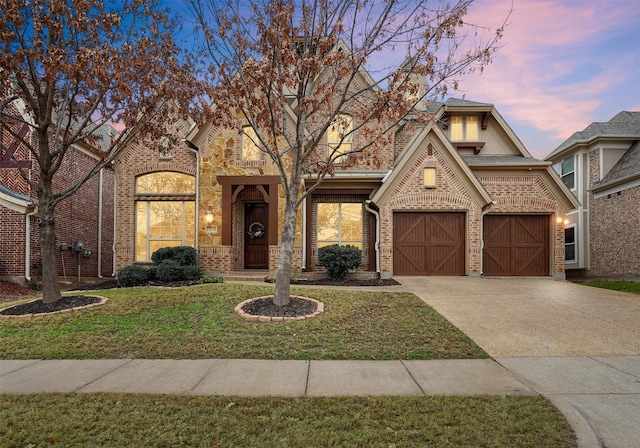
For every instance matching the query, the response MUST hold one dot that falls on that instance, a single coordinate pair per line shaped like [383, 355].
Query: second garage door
[516, 245]
[428, 243]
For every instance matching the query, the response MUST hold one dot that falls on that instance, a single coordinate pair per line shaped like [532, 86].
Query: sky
[563, 65]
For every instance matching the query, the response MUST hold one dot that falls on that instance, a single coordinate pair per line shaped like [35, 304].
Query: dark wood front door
[256, 244]
[516, 245]
[428, 243]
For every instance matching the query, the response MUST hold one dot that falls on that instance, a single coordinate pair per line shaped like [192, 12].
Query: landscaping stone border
[102, 301]
[253, 318]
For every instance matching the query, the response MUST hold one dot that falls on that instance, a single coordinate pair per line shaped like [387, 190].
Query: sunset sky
[564, 64]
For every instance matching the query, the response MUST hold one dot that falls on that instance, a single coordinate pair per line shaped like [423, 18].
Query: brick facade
[227, 182]
[76, 219]
[614, 221]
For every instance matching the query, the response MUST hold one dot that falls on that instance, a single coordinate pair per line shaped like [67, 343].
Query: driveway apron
[577, 345]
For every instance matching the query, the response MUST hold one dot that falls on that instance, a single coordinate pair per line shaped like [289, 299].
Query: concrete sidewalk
[246, 377]
[599, 396]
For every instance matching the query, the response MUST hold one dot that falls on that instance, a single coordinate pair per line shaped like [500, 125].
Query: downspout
[485, 209]
[196, 151]
[367, 207]
[304, 233]
[27, 244]
[100, 223]
[115, 219]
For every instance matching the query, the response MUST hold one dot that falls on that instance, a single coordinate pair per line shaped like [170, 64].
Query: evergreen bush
[183, 255]
[133, 275]
[338, 260]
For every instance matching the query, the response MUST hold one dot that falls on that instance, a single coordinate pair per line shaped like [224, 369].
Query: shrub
[209, 279]
[338, 260]
[172, 271]
[132, 276]
[183, 255]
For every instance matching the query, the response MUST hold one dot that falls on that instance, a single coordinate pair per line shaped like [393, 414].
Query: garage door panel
[428, 243]
[516, 245]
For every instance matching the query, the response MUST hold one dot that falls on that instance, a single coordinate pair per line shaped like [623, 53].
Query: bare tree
[75, 66]
[294, 69]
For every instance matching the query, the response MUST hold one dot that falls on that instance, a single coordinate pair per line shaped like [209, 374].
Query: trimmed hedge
[183, 255]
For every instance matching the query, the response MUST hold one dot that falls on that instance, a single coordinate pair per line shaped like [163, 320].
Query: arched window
[165, 212]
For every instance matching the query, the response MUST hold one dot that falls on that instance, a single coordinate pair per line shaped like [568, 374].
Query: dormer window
[464, 128]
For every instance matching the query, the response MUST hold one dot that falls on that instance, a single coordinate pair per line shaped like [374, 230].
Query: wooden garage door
[516, 245]
[428, 243]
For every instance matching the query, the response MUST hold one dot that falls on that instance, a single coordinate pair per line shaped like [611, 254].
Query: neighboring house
[601, 166]
[461, 196]
[87, 216]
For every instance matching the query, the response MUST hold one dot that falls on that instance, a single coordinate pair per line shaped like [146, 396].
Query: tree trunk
[50, 285]
[283, 277]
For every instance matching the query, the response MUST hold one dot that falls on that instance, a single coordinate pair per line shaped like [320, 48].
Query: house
[601, 166]
[85, 217]
[458, 196]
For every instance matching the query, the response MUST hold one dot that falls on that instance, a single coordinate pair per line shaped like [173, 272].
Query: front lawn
[632, 287]
[199, 322]
[113, 420]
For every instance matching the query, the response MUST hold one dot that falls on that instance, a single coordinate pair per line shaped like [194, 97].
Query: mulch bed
[266, 307]
[348, 282]
[38, 307]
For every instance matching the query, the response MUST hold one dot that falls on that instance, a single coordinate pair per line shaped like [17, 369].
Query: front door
[256, 244]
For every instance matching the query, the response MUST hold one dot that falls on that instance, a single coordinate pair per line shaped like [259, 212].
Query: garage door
[428, 243]
[516, 245]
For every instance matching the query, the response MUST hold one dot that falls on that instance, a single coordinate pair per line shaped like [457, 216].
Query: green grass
[199, 322]
[632, 287]
[110, 420]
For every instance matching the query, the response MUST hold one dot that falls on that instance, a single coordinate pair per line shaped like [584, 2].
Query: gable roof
[408, 157]
[627, 168]
[624, 125]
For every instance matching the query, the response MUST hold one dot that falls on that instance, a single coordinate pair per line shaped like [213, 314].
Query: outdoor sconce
[208, 217]
[561, 220]
[430, 177]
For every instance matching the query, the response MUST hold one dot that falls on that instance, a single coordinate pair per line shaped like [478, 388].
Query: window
[250, 150]
[340, 223]
[566, 170]
[430, 177]
[161, 222]
[570, 244]
[339, 138]
[464, 128]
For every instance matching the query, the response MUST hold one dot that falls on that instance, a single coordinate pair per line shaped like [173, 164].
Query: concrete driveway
[576, 345]
[535, 317]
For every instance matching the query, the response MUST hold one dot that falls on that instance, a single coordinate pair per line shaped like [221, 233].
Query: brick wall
[615, 233]
[75, 218]
[144, 157]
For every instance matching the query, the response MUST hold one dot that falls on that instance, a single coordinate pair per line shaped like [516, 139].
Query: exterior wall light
[208, 217]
